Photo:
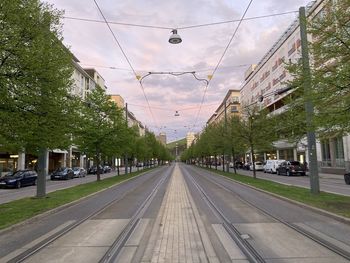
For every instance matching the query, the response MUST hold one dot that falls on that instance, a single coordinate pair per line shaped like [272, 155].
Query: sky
[148, 50]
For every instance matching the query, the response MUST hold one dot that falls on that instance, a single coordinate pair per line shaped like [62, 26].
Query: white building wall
[270, 75]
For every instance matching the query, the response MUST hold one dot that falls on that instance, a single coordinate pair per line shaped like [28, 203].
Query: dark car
[347, 178]
[239, 165]
[290, 168]
[19, 178]
[62, 173]
[107, 169]
[93, 170]
[79, 172]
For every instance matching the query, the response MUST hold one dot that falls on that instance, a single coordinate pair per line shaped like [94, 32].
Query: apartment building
[83, 83]
[230, 104]
[269, 76]
[162, 138]
[190, 138]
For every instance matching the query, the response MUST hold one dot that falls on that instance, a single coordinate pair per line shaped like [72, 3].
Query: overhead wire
[179, 28]
[142, 70]
[126, 58]
[220, 60]
[173, 110]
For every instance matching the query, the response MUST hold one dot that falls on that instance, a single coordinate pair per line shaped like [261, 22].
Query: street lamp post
[126, 123]
[309, 108]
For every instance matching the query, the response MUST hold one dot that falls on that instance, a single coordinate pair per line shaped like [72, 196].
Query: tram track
[251, 254]
[321, 241]
[125, 233]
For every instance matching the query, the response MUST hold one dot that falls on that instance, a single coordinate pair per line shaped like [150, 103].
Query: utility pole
[309, 108]
[42, 172]
[225, 136]
[126, 123]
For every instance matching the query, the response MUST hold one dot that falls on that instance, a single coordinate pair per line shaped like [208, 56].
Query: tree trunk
[253, 159]
[216, 162]
[98, 170]
[234, 160]
[223, 162]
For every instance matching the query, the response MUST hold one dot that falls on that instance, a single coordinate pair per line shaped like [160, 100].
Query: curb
[314, 209]
[62, 207]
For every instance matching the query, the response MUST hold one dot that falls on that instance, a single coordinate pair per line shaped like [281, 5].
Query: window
[235, 99]
[339, 148]
[326, 153]
[234, 109]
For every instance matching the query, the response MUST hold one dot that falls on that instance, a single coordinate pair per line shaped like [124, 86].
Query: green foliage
[102, 130]
[253, 131]
[35, 77]
[330, 73]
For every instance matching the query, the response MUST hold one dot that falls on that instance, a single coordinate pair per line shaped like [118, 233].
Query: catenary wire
[220, 60]
[172, 110]
[180, 28]
[140, 70]
[127, 59]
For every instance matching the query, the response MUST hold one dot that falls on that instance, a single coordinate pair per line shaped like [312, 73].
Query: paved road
[331, 183]
[10, 194]
[190, 218]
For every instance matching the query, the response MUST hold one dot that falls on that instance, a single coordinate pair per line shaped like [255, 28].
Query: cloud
[148, 50]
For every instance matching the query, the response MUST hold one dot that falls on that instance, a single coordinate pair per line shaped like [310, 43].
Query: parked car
[271, 165]
[246, 166]
[239, 164]
[258, 166]
[347, 178]
[93, 170]
[19, 178]
[107, 169]
[291, 168]
[141, 164]
[62, 173]
[79, 172]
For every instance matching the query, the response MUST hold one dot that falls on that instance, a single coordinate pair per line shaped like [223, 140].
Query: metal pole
[42, 172]
[225, 137]
[126, 123]
[309, 108]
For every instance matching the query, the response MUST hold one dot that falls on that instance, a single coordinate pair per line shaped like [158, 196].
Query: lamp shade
[175, 38]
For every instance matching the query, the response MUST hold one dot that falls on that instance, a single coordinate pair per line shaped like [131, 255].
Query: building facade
[162, 138]
[230, 106]
[269, 76]
[83, 83]
[190, 138]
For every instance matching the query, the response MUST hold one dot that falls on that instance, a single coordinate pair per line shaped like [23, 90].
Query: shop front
[8, 162]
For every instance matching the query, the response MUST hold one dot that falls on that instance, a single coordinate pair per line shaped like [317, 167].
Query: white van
[271, 165]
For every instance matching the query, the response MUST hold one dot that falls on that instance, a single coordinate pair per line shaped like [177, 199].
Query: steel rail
[113, 252]
[251, 254]
[341, 252]
[46, 242]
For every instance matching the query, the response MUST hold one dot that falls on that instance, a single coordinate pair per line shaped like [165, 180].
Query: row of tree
[329, 93]
[253, 131]
[37, 108]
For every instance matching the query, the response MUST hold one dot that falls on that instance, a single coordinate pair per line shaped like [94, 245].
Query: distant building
[190, 138]
[96, 77]
[117, 99]
[231, 105]
[162, 138]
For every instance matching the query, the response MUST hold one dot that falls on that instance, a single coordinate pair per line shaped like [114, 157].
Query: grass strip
[333, 203]
[19, 210]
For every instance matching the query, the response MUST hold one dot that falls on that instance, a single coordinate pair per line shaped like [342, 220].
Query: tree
[255, 131]
[102, 129]
[234, 140]
[35, 80]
